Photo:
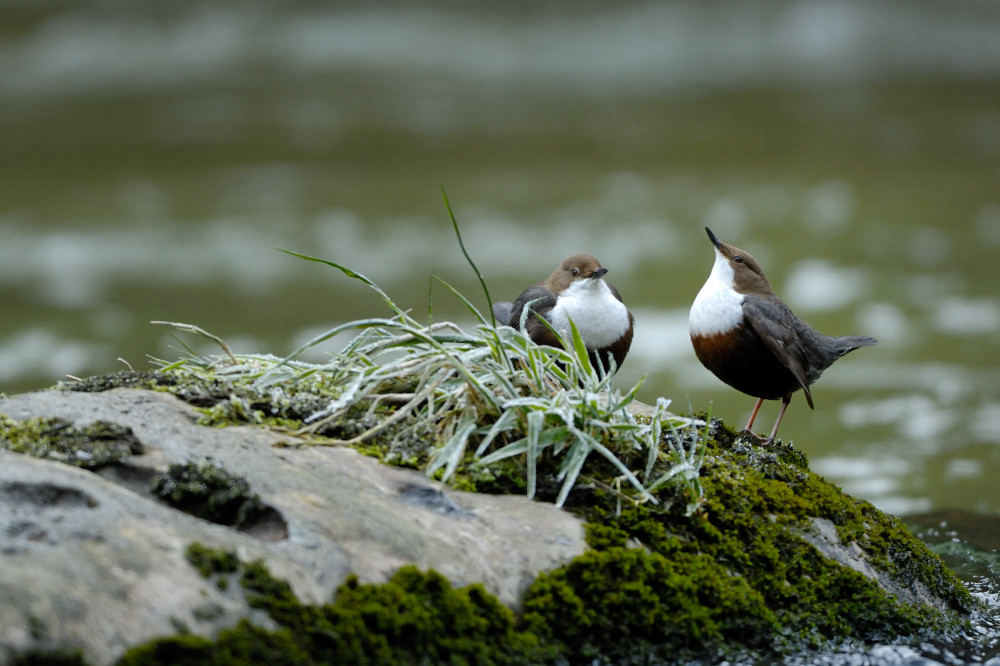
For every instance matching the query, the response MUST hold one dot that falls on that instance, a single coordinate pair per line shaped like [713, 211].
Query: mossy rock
[753, 571]
[222, 402]
[738, 580]
[414, 618]
[225, 402]
[206, 490]
[95, 444]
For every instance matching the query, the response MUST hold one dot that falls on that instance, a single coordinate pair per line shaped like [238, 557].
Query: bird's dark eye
[576, 271]
[738, 259]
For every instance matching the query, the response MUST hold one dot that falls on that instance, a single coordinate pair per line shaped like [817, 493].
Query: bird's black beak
[715, 241]
[598, 274]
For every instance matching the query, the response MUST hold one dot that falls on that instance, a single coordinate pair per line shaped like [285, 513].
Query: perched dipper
[751, 340]
[576, 290]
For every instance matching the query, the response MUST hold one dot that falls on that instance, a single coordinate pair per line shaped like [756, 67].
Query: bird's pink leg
[753, 415]
[781, 413]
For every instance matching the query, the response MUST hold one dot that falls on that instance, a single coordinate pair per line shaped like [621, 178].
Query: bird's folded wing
[544, 300]
[773, 322]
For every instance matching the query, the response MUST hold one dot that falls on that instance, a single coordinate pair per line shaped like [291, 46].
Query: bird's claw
[763, 441]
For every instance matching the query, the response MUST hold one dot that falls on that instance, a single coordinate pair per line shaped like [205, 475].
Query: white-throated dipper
[576, 290]
[751, 340]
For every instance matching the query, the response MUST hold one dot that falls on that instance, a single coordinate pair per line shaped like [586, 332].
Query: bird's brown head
[577, 267]
[748, 277]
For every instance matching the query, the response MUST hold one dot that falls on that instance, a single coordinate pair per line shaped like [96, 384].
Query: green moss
[98, 443]
[763, 496]
[49, 658]
[205, 489]
[181, 650]
[749, 533]
[222, 401]
[99, 383]
[685, 606]
[414, 618]
[418, 617]
[243, 644]
[243, 410]
[286, 406]
[211, 561]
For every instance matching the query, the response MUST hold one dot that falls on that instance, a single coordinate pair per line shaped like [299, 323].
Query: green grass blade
[351, 274]
[191, 328]
[475, 269]
[624, 401]
[535, 421]
[451, 454]
[580, 349]
[626, 472]
[468, 304]
[527, 312]
[546, 439]
[573, 465]
[667, 476]
[326, 335]
[506, 422]
[430, 301]
[512, 449]
[454, 362]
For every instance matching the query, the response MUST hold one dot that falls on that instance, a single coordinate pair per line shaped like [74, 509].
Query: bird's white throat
[718, 308]
[599, 316]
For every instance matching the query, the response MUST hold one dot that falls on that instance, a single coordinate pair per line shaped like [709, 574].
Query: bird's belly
[740, 359]
[601, 322]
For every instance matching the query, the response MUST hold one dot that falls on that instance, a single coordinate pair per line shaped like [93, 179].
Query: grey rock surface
[94, 560]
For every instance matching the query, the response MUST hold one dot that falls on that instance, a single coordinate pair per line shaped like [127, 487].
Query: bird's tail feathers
[502, 312]
[849, 343]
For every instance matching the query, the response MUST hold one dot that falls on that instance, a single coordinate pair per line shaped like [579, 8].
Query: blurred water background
[153, 155]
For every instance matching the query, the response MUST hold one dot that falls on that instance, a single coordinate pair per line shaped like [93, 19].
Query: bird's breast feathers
[599, 316]
[717, 309]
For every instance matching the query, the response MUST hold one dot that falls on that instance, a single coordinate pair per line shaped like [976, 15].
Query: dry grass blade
[191, 328]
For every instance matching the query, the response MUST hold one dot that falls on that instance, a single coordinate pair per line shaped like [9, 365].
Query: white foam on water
[955, 315]
[717, 44]
[817, 285]
[40, 352]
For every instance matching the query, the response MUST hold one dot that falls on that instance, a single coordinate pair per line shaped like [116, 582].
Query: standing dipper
[751, 340]
[576, 290]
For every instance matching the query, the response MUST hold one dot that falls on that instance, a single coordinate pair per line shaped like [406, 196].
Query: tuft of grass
[484, 396]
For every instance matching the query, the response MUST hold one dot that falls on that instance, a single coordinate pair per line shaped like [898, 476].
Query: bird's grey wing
[775, 324]
[541, 300]
[501, 312]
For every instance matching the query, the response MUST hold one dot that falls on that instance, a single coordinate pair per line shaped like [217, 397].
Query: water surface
[154, 156]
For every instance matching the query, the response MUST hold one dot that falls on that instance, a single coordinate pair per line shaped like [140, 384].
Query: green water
[153, 159]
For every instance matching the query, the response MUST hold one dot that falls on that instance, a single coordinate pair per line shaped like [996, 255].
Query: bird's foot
[764, 441]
